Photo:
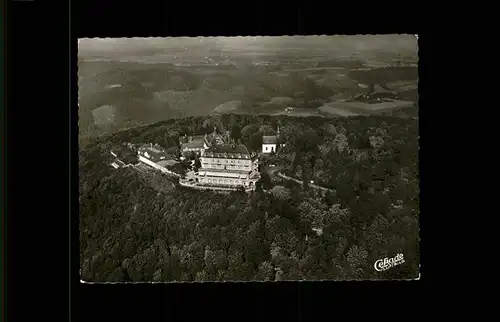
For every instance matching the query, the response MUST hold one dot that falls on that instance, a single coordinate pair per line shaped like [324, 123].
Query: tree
[173, 150]
[376, 142]
[341, 143]
[157, 276]
[248, 131]
[356, 257]
[298, 171]
[236, 132]
[190, 155]
[214, 121]
[202, 276]
[280, 192]
[279, 274]
[265, 272]
[329, 128]
[197, 163]
[255, 142]
[267, 130]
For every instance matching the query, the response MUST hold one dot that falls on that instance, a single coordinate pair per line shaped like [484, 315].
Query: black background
[41, 152]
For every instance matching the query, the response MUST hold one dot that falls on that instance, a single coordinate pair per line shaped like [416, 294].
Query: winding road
[279, 174]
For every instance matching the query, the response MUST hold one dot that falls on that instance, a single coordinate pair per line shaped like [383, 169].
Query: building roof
[191, 138]
[228, 151]
[193, 145]
[153, 152]
[209, 138]
[122, 151]
[150, 147]
[196, 138]
[165, 163]
[214, 138]
[269, 139]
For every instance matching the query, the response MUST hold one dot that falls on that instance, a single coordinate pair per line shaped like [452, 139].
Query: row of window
[244, 156]
[268, 148]
[225, 161]
[223, 181]
[227, 167]
[226, 181]
[237, 167]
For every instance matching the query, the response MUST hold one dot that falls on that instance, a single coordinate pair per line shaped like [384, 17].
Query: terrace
[214, 186]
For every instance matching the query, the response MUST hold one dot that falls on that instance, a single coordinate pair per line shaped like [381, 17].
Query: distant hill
[384, 75]
[151, 81]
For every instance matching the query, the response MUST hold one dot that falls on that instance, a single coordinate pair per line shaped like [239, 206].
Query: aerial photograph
[248, 159]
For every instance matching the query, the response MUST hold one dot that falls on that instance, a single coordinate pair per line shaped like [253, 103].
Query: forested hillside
[132, 230]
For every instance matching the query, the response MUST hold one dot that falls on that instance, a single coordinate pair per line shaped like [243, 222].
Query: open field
[356, 108]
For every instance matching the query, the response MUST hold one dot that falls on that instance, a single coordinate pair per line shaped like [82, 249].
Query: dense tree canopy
[138, 226]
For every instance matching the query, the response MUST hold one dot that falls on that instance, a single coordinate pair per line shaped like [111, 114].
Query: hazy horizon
[341, 43]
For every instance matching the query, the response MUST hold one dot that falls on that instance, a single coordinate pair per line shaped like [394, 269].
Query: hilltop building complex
[223, 166]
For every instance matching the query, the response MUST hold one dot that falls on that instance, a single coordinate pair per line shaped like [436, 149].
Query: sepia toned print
[248, 158]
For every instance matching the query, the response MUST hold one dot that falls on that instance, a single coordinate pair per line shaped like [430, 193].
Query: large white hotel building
[228, 165]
